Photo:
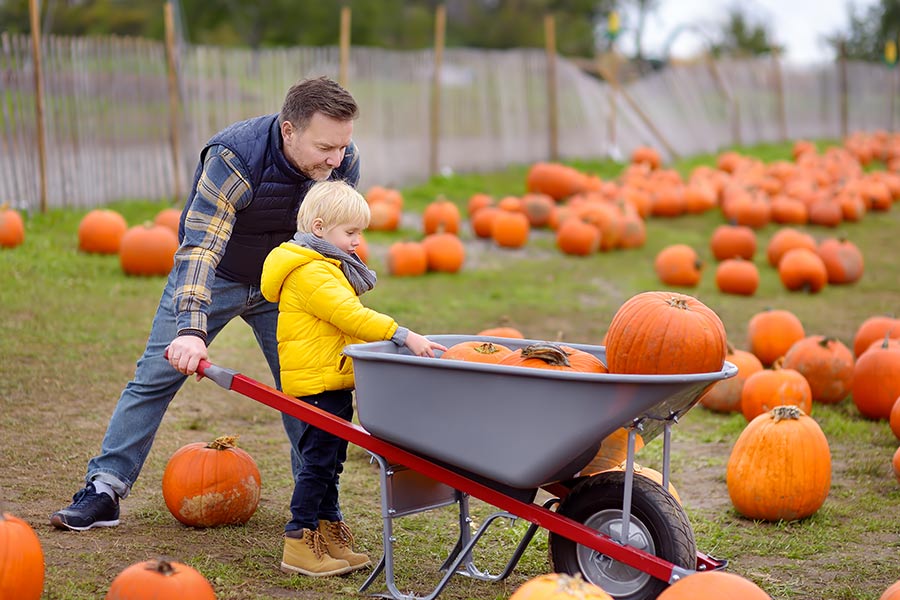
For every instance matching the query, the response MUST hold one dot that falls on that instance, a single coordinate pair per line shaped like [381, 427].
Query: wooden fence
[109, 136]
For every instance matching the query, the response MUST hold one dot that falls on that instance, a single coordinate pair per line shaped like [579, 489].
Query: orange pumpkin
[507, 332]
[665, 333]
[731, 241]
[557, 586]
[441, 216]
[678, 265]
[483, 220]
[538, 208]
[827, 365]
[546, 355]
[613, 452]
[169, 217]
[101, 230]
[651, 474]
[787, 238]
[577, 237]
[842, 259]
[444, 252]
[874, 329]
[478, 201]
[725, 395]
[713, 585]
[556, 180]
[510, 229]
[21, 560]
[475, 351]
[772, 332]
[12, 228]
[148, 250]
[646, 155]
[780, 466]
[157, 579]
[211, 484]
[362, 251]
[384, 216]
[407, 259]
[737, 276]
[876, 381]
[894, 418]
[895, 465]
[766, 389]
[801, 269]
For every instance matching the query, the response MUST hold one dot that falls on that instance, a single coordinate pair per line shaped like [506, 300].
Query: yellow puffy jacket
[318, 314]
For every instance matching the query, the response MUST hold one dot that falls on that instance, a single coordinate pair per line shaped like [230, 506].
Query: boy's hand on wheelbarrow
[421, 345]
[185, 353]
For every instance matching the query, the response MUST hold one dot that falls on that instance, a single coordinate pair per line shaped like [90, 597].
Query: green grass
[72, 326]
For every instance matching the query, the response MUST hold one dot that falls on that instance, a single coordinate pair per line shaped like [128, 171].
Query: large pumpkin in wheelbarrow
[665, 333]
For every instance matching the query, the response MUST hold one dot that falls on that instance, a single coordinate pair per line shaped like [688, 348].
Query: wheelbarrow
[442, 431]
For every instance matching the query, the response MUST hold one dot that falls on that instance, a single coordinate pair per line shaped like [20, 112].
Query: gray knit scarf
[361, 277]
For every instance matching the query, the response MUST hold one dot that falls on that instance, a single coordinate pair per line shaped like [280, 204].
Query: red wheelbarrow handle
[543, 517]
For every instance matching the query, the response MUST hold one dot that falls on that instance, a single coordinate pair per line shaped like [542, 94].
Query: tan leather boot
[339, 542]
[307, 555]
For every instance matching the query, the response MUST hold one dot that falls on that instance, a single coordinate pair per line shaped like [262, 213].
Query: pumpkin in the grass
[766, 389]
[169, 217]
[211, 484]
[502, 331]
[665, 333]
[713, 585]
[101, 230]
[613, 451]
[894, 419]
[21, 560]
[441, 215]
[725, 395]
[160, 580]
[874, 329]
[476, 351]
[556, 357]
[407, 259]
[737, 276]
[510, 229]
[733, 241]
[801, 269]
[148, 249]
[577, 237]
[893, 592]
[772, 332]
[12, 228]
[843, 260]
[826, 363]
[444, 252]
[780, 466]
[876, 381]
[895, 465]
[559, 586]
[679, 265]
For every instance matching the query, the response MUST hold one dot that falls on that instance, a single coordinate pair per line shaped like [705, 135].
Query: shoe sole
[60, 523]
[362, 566]
[290, 569]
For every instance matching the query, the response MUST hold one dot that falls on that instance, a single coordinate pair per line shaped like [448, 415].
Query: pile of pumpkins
[147, 249]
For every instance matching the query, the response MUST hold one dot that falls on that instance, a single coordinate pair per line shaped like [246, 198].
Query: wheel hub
[616, 578]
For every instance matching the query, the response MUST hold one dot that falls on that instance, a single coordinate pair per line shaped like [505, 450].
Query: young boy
[317, 279]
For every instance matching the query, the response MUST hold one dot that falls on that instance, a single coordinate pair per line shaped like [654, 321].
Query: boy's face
[346, 236]
[319, 149]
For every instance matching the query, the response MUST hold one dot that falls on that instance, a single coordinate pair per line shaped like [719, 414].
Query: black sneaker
[88, 509]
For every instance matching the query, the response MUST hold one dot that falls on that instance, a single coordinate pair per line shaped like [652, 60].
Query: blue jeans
[146, 397]
[322, 455]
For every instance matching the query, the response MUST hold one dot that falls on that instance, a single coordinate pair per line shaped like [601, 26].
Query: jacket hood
[280, 262]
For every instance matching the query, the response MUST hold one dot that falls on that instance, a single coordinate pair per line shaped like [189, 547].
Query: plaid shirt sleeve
[222, 190]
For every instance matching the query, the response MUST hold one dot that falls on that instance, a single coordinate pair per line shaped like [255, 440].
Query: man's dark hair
[321, 95]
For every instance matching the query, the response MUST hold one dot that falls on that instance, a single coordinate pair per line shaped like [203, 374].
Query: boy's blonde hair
[335, 202]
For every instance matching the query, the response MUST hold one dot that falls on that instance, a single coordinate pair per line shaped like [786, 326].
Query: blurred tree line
[869, 29]
[396, 24]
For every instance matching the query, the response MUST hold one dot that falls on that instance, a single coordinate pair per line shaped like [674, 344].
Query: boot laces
[316, 541]
[341, 533]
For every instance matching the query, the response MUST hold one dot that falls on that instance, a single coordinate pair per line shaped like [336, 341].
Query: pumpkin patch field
[73, 323]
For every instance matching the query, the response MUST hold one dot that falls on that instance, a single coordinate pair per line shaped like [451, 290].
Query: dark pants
[322, 457]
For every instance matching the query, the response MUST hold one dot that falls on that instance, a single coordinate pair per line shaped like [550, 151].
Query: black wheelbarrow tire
[658, 526]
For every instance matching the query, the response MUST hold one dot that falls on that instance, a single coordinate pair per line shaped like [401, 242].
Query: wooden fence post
[440, 21]
[174, 107]
[843, 88]
[779, 96]
[730, 101]
[552, 110]
[34, 11]
[345, 46]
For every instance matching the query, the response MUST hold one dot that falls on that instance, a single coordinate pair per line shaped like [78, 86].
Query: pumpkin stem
[786, 411]
[486, 348]
[778, 364]
[161, 566]
[223, 443]
[676, 302]
[551, 354]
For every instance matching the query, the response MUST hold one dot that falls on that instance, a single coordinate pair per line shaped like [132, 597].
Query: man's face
[319, 149]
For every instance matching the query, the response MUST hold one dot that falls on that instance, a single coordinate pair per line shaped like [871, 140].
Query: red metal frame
[543, 517]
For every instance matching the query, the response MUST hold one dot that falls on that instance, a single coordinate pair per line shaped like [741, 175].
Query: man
[249, 183]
